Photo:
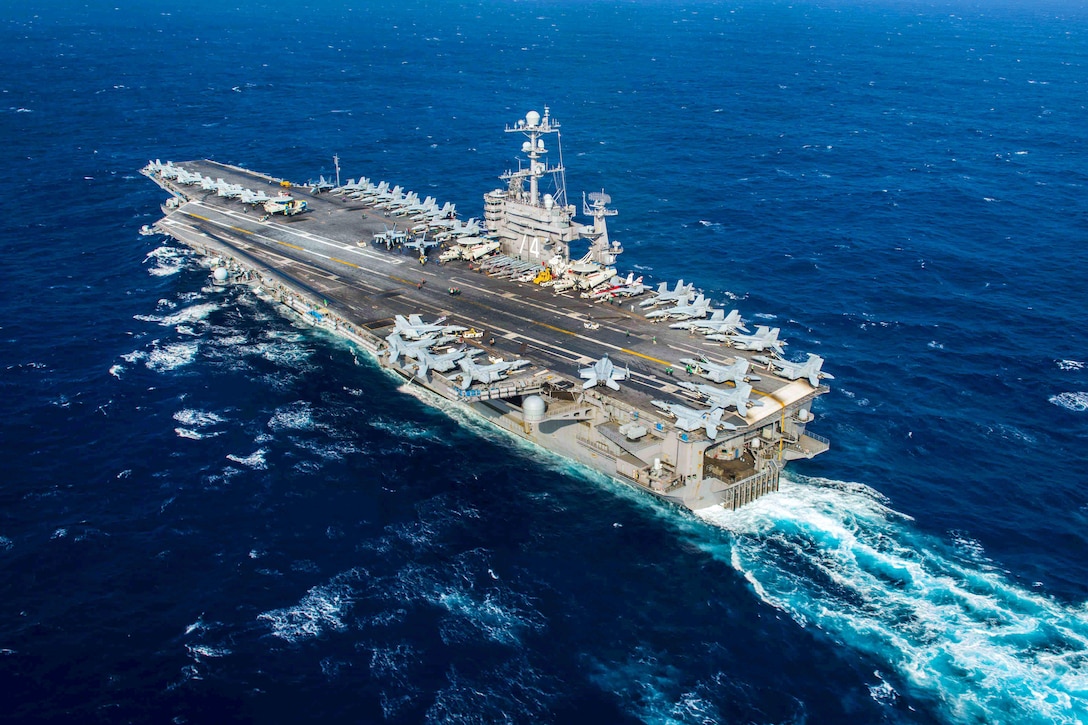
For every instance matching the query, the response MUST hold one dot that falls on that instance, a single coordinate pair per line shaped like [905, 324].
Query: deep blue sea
[210, 513]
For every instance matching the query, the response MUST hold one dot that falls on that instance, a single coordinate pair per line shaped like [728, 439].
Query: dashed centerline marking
[350, 264]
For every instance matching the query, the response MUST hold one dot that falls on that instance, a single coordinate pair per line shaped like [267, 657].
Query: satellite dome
[533, 407]
[532, 118]
[220, 274]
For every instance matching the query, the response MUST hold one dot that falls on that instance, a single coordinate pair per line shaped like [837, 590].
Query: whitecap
[323, 609]
[198, 418]
[1076, 402]
[116, 370]
[254, 460]
[1070, 365]
[172, 356]
[196, 313]
[203, 651]
[296, 416]
[6, 544]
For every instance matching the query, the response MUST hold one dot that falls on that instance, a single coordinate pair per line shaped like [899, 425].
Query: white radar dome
[549, 202]
[532, 118]
[533, 408]
[220, 274]
[526, 147]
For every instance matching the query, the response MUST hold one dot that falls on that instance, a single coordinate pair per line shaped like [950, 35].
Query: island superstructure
[651, 386]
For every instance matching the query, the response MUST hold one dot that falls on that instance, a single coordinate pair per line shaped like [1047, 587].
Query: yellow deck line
[288, 244]
[243, 231]
[645, 357]
[350, 264]
[552, 327]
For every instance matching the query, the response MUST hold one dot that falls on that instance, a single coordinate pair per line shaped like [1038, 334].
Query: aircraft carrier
[649, 385]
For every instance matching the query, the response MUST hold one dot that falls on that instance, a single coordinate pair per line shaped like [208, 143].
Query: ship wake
[952, 627]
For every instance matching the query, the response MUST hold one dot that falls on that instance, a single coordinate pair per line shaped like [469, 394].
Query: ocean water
[209, 513]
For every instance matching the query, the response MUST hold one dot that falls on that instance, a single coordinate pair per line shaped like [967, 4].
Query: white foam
[1070, 365]
[1077, 402]
[254, 460]
[172, 356]
[6, 544]
[116, 370]
[203, 651]
[197, 418]
[196, 313]
[296, 416]
[835, 555]
[323, 609]
[168, 261]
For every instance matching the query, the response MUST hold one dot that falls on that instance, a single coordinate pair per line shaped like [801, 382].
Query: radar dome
[220, 274]
[532, 118]
[533, 407]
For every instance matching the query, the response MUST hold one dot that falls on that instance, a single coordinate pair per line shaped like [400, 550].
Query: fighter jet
[718, 323]
[435, 215]
[391, 237]
[736, 372]
[254, 197]
[416, 207]
[603, 371]
[765, 338]
[227, 190]
[388, 195]
[188, 177]
[427, 360]
[484, 373]
[371, 192]
[809, 369]
[414, 327]
[681, 295]
[690, 419]
[698, 308]
[353, 186]
[410, 348]
[421, 244]
[738, 397]
[320, 185]
[167, 170]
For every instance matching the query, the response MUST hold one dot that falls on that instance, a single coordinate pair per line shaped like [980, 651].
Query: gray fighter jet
[414, 327]
[484, 373]
[764, 338]
[698, 308]
[681, 295]
[735, 372]
[738, 397]
[718, 323]
[809, 369]
[690, 419]
[603, 371]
